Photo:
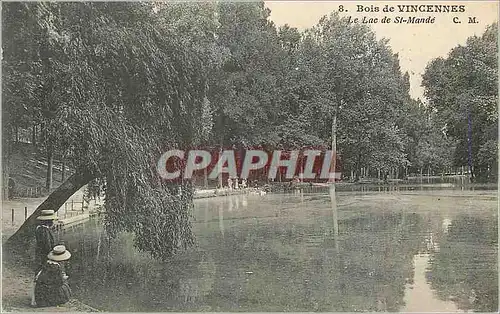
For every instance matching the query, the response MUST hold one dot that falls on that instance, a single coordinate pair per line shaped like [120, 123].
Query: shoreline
[17, 274]
[16, 287]
[209, 193]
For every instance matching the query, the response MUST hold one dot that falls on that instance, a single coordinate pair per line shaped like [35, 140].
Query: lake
[416, 251]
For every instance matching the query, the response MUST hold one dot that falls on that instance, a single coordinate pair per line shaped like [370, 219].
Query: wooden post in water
[12, 216]
[25, 212]
[333, 200]
[333, 196]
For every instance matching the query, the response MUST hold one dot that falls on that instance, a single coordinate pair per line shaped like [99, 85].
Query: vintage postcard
[262, 156]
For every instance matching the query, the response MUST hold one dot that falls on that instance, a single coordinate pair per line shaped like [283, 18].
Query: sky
[417, 44]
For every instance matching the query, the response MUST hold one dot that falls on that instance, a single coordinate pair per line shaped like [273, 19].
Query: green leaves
[463, 91]
[113, 93]
[115, 84]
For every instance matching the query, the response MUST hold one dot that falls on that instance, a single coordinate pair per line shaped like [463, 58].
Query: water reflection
[333, 204]
[200, 283]
[420, 297]
[221, 218]
[282, 253]
[446, 224]
[465, 269]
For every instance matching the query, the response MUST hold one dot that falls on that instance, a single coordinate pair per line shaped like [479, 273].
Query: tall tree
[463, 91]
[358, 83]
[126, 87]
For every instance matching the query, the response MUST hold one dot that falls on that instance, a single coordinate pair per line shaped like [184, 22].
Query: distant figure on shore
[52, 287]
[229, 183]
[293, 184]
[243, 183]
[236, 187]
[44, 237]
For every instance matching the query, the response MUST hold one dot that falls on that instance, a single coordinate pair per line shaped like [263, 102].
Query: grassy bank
[17, 283]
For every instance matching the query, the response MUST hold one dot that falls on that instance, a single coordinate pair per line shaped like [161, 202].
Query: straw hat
[59, 254]
[47, 214]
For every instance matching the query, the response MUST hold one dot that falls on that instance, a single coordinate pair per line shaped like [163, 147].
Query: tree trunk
[469, 146]
[54, 201]
[63, 170]
[6, 143]
[333, 166]
[220, 169]
[50, 166]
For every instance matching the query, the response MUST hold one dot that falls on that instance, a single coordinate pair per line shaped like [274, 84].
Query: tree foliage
[126, 88]
[463, 92]
[116, 84]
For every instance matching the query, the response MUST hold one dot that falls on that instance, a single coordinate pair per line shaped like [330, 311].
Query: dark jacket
[52, 288]
[44, 244]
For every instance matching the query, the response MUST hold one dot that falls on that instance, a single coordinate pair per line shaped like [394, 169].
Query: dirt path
[11, 224]
[16, 287]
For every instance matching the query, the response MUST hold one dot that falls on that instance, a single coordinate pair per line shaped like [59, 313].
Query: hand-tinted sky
[416, 44]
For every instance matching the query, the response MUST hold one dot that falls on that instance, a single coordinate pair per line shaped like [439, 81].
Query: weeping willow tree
[117, 86]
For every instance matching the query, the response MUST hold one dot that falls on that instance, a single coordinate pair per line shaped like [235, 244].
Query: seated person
[51, 283]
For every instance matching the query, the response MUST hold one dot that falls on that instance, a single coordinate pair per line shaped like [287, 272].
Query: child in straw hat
[44, 242]
[44, 236]
[52, 287]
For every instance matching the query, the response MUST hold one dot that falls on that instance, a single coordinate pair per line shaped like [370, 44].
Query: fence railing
[29, 192]
[69, 209]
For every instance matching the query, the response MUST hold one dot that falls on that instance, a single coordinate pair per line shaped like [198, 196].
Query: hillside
[28, 168]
